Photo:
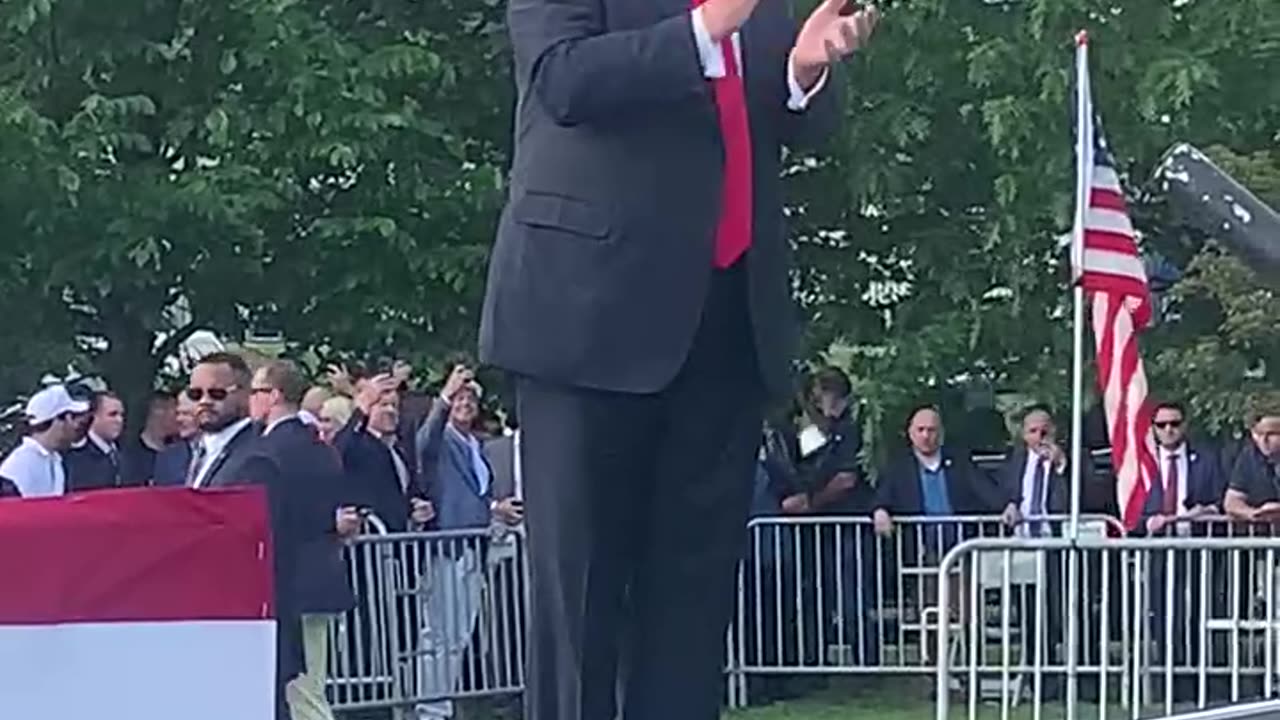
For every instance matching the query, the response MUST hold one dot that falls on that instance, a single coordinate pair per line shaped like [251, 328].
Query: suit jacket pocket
[560, 212]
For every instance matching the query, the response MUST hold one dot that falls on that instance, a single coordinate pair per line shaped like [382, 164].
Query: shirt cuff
[797, 98]
[708, 53]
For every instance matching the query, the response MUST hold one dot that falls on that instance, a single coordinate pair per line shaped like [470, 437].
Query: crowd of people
[330, 456]
[335, 452]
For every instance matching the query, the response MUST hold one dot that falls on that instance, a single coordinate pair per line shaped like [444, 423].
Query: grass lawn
[897, 700]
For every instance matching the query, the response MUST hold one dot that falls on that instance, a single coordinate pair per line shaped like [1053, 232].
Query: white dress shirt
[713, 65]
[35, 469]
[215, 444]
[1030, 504]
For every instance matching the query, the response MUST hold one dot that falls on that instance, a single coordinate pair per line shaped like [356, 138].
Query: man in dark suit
[1189, 485]
[305, 485]
[1037, 475]
[95, 463]
[377, 466]
[639, 291]
[219, 388]
[932, 479]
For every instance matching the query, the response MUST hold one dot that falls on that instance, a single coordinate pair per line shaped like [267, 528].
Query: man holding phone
[639, 292]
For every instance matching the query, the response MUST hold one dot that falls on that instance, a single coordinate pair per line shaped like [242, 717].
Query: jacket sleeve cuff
[708, 53]
[797, 97]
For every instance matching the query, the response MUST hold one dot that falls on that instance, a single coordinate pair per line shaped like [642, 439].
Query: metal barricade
[440, 616]
[830, 596]
[1194, 621]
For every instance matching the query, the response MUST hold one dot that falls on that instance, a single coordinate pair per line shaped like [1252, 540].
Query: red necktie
[1171, 487]
[733, 232]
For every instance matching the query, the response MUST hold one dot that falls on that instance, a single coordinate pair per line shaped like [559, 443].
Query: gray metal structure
[1208, 199]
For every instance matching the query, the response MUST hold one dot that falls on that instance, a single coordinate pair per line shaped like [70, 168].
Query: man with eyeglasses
[219, 387]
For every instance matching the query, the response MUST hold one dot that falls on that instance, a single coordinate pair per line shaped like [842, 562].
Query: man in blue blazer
[459, 482]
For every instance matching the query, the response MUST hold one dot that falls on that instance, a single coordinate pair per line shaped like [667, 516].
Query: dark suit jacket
[8, 488]
[604, 251]
[1205, 484]
[449, 475]
[227, 467]
[89, 468]
[172, 464]
[1058, 495]
[298, 473]
[371, 478]
[972, 491]
[311, 478]
[501, 454]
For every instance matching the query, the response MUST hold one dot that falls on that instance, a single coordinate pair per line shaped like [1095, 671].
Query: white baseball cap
[51, 402]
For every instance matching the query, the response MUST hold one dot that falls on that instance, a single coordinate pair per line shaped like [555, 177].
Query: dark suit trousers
[642, 498]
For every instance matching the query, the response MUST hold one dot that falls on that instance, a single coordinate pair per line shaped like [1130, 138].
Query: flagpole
[1084, 168]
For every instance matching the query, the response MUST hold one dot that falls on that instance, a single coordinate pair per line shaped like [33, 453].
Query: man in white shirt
[55, 422]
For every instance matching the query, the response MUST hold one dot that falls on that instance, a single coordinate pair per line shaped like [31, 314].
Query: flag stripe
[138, 671]
[1112, 273]
[136, 555]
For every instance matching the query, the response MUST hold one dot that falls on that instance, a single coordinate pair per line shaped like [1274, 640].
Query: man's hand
[797, 504]
[1267, 512]
[829, 36]
[509, 511]
[340, 380]
[1012, 515]
[372, 390]
[1157, 523]
[458, 379]
[884, 524]
[347, 522]
[423, 511]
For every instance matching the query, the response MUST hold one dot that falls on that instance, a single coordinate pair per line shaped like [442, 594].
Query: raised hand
[828, 36]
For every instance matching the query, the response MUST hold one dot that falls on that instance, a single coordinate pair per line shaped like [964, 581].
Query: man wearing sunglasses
[1190, 482]
[1189, 485]
[219, 387]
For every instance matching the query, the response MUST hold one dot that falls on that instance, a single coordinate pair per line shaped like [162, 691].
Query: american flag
[1109, 269]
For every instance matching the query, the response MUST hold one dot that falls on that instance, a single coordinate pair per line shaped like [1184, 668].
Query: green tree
[931, 242]
[316, 166]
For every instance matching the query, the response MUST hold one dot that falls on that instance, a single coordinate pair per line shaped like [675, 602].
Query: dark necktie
[1171, 479]
[197, 459]
[733, 231]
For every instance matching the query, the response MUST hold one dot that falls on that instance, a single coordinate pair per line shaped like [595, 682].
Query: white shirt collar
[1180, 451]
[308, 418]
[276, 423]
[106, 447]
[215, 441]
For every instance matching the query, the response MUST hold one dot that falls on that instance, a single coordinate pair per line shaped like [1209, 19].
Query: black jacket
[603, 256]
[971, 491]
[371, 478]
[300, 475]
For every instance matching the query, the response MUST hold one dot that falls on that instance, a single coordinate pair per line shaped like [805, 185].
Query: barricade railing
[1198, 625]
[439, 616]
[824, 595]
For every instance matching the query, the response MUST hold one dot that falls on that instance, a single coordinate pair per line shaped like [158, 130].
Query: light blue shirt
[478, 465]
[933, 490]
